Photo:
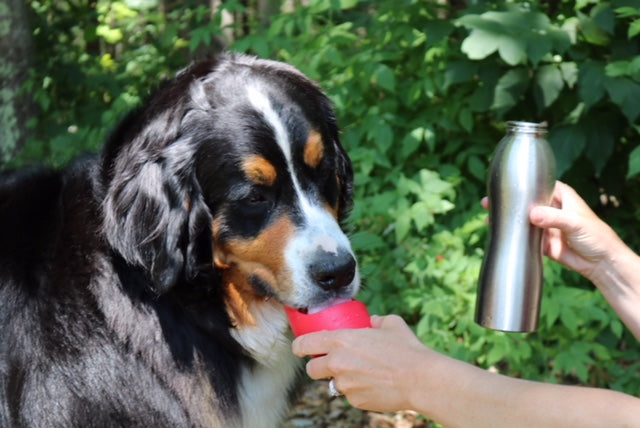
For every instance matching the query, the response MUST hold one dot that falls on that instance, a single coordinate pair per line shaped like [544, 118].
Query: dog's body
[145, 286]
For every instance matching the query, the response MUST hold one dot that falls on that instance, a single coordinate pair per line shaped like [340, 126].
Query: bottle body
[521, 175]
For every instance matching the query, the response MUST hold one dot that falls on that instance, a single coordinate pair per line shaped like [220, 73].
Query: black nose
[332, 271]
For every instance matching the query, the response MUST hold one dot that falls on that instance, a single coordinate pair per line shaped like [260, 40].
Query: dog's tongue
[337, 315]
[326, 306]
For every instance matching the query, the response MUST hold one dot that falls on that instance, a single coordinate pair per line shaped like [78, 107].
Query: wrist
[430, 386]
[612, 270]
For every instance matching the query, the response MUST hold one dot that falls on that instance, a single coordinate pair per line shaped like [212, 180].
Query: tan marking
[263, 257]
[314, 150]
[238, 307]
[260, 171]
[217, 261]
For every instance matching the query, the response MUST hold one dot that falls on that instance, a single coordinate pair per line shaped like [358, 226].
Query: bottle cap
[350, 314]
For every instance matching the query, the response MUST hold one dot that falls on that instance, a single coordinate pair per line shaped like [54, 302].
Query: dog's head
[235, 164]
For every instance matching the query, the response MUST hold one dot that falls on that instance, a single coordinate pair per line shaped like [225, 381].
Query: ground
[317, 409]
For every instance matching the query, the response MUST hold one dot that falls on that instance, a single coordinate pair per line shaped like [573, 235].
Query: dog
[145, 285]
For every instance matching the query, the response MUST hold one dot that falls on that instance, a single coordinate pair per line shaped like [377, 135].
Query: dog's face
[259, 169]
[277, 183]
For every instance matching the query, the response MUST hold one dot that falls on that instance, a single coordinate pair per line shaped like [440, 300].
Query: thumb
[376, 321]
[387, 321]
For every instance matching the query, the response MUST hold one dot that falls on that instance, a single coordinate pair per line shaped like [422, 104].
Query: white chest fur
[264, 388]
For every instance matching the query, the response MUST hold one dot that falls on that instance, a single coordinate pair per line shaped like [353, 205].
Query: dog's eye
[257, 197]
[257, 202]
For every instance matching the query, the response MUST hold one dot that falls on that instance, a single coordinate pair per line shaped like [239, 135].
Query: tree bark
[17, 54]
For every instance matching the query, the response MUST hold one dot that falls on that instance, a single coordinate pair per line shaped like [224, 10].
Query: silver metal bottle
[521, 175]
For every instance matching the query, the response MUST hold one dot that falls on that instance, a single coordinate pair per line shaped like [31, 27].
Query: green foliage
[95, 61]
[422, 91]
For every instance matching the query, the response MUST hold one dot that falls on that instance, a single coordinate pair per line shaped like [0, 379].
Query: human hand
[374, 368]
[574, 235]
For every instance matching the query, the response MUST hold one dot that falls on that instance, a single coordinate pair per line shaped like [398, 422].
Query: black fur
[111, 311]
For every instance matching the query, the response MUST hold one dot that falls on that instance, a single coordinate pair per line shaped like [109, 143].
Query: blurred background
[422, 91]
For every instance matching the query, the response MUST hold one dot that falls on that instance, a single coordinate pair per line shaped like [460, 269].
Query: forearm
[457, 394]
[617, 278]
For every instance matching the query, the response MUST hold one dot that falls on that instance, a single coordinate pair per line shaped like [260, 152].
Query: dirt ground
[317, 409]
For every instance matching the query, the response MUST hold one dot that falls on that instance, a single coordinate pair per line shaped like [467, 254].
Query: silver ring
[333, 390]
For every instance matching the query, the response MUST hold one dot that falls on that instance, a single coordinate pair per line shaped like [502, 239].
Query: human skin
[386, 368]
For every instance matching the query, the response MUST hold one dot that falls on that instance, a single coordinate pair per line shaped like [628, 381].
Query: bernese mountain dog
[144, 286]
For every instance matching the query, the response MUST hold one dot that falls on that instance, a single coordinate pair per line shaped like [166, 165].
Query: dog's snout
[332, 271]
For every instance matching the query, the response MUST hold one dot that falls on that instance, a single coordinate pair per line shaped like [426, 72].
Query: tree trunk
[16, 48]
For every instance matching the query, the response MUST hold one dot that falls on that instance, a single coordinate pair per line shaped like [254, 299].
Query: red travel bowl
[351, 314]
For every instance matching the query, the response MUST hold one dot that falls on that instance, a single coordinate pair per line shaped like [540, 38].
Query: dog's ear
[154, 213]
[344, 169]
[345, 176]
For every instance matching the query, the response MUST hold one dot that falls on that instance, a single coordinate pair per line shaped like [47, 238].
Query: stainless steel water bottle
[521, 175]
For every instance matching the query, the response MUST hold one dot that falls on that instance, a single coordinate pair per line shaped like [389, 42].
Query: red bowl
[351, 314]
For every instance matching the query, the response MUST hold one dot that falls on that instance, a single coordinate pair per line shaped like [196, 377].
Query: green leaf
[367, 241]
[512, 50]
[616, 328]
[384, 77]
[600, 139]
[550, 83]
[437, 30]
[516, 35]
[411, 142]
[591, 82]
[626, 94]
[569, 73]
[110, 35]
[617, 69]
[422, 215]
[604, 17]
[634, 69]
[477, 168]
[628, 12]
[568, 142]
[465, 118]
[592, 32]
[480, 44]
[538, 46]
[498, 352]
[459, 72]
[634, 29]
[383, 136]
[510, 88]
[634, 163]
[570, 319]
[319, 6]
[551, 310]
[403, 225]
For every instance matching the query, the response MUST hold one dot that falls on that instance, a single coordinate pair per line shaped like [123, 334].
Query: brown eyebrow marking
[260, 171]
[314, 150]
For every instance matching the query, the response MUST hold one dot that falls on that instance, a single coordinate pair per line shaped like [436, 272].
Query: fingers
[546, 217]
[553, 244]
[317, 368]
[322, 342]
[311, 344]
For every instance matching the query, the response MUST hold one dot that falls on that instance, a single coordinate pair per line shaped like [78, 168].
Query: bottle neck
[518, 127]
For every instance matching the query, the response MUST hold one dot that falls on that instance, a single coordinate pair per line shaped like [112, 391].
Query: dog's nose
[332, 271]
